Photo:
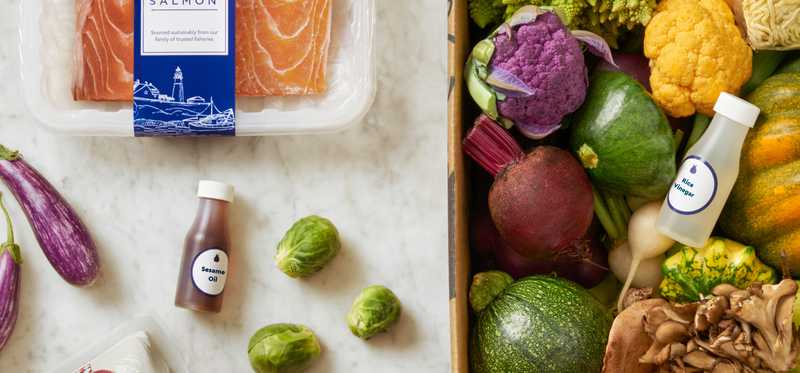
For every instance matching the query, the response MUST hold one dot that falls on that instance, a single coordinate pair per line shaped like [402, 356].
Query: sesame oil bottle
[204, 266]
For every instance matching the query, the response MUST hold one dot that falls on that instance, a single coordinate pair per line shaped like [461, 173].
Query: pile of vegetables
[582, 151]
[530, 73]
[731, 330]
[305, 249]
[608, 18]
[61, 235]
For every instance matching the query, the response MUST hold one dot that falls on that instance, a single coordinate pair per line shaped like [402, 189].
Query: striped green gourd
[536, 324]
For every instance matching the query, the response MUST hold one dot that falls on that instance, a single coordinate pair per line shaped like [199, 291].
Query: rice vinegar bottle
[706, 177]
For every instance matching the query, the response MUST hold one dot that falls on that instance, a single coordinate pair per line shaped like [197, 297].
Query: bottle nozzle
[736, 109]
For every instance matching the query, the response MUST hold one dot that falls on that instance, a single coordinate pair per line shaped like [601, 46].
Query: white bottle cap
[215, 190]
[736, 109]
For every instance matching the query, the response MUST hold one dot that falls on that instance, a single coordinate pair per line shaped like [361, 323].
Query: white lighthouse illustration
[158, 113]
[177, 85]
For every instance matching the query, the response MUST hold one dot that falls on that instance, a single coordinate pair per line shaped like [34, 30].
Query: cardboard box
[457, 45]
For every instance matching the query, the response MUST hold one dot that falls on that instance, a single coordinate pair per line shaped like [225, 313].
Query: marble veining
[382, 182]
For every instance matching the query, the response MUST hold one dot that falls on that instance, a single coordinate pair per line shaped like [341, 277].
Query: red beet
[518, 266]
[633, 64]
[585, 261]
[540, 202]
[484, 241]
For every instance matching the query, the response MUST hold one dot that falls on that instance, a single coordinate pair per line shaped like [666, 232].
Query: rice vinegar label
[694, 188]
[210, 271]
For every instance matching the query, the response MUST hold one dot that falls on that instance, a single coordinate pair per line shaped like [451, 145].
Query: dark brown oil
[209, 231]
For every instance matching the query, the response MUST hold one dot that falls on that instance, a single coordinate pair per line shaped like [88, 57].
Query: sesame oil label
[694, 188]
[210, 270]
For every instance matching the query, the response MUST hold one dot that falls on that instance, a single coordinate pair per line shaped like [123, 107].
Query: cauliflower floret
[695, 52]
[548, 59]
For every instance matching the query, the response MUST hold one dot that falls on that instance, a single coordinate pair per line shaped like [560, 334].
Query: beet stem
[491, 146]
[615, 206]
[592, 263]
[603, 215]
[580, 252]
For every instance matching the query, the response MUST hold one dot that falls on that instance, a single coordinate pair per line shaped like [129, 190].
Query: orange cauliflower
[695, 52]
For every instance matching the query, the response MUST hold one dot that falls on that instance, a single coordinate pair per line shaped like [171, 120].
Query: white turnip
[644, 241]
[647, 276]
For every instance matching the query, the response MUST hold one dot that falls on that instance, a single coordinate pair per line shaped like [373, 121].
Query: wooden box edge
[457, 42]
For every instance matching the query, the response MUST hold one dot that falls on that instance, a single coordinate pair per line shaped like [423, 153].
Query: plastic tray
[47, 33]
[161, 344]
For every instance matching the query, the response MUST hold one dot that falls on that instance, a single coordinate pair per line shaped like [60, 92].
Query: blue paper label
[184, 68]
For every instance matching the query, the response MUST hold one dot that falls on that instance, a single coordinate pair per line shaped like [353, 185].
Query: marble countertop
[383, 182]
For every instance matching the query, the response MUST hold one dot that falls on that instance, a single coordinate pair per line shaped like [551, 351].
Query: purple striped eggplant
[61, 234]
[9, 281]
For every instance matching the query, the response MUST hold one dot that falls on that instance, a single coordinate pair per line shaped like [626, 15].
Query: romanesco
[607, 18]
[486, 12]
[628, 13]
[567, 10]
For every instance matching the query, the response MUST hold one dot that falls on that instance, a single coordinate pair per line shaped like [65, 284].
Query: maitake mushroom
[731, 331]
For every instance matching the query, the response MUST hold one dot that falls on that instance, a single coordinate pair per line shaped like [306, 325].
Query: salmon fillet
[104, 51]
[281, 48]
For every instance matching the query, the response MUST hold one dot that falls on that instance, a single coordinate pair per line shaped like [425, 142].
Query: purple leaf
[525, 15]
[508, 84]
[537, 131]
[504, 28]
[596, 45]
[522, 16]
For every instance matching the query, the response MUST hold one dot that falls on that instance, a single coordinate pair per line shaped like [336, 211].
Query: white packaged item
[47, 33]
[139, 346]
[133, 354]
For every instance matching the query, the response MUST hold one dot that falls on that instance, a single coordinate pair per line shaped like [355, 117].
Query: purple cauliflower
[530, 72]
[545, 56]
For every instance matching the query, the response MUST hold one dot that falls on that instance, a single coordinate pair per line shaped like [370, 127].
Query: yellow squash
[764, 207]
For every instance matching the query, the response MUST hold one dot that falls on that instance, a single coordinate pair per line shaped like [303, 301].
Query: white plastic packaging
[47, 33]
[122, 347]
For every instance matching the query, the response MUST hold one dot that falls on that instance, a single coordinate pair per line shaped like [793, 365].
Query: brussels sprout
[307, 246]
[374, 311]
[282, 348]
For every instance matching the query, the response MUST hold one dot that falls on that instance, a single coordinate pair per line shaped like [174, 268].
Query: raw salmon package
[204, 67]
